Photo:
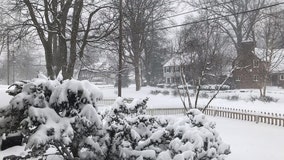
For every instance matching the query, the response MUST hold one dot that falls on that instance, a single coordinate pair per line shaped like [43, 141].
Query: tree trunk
[137, 77]
[49, 61]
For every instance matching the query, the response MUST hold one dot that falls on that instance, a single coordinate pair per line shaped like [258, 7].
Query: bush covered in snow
[52, 113]
[63, 115]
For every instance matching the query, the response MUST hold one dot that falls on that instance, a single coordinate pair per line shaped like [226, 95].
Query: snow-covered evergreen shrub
[53, 113]
[63, 115]
[132, 135]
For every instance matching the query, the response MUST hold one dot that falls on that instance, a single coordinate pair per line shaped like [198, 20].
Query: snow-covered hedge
[63, 115]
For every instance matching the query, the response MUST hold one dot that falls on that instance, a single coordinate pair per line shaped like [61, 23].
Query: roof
[102, 64]
[276, 58]
[177, 61]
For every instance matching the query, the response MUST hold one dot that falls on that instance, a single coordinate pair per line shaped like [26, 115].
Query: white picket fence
[232, 113]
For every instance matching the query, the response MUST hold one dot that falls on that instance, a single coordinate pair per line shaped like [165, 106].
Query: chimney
[247, 47]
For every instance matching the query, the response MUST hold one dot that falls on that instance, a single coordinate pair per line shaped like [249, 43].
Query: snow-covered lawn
[4, 97]
[170, 101]
[251, 141]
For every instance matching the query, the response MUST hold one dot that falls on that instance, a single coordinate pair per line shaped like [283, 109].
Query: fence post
[256, 118]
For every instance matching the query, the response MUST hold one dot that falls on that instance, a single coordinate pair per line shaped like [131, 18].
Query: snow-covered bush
[54, 113]
[63, 115]
[132, 135]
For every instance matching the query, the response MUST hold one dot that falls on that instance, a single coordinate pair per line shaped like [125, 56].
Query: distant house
[172, 70]
[276, 67]
[251, 68]
[277, 78]
[99, 73]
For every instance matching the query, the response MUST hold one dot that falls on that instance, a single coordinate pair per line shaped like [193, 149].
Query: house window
[168, 69]
[255, 78]
[238, 78]
[177, 69]
[255, 63]
[178, 80]
[282, 77]
[173, 69]
[168, 80]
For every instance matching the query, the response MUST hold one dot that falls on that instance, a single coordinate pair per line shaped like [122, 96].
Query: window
[168, 80]
[168, 69]
[255, 63]
[238, 78]
[255, 78]
[177, 69]
[178, 80]
[282, 77]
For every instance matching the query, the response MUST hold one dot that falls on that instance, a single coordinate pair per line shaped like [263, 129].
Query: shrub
[204, 95]
[267, 99]
[175, 92]
[160, 85]
[263, 99]
[155, 92]
[64, 115]
[165, 92]
[233, 97]
[53, 113]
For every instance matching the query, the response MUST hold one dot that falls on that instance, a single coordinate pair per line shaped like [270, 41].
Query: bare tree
[139, 17]
[206, 47]
[236, 17]
[64, 29]
[269, 33]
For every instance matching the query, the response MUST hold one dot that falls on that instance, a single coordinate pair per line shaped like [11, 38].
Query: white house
[172, 70]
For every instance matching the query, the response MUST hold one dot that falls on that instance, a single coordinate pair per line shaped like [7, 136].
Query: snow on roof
[277, 58]
[102, 64]
[177, 61]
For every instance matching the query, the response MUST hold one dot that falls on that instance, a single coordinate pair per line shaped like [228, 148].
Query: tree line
[73, 32]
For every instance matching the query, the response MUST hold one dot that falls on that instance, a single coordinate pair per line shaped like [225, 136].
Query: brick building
[249, 68]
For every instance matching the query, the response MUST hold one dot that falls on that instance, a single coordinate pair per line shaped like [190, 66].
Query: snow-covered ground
[251, 141]
[248, 140]
[170, 101]
[4, 97]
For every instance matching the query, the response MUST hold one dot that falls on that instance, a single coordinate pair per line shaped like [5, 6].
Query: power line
[195, 10]
[222, 16]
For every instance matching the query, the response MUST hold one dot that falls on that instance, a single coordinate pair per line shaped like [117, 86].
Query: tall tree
[65, 28]
[235, 17]
[204, 47]
[269, 34]
[139, 17]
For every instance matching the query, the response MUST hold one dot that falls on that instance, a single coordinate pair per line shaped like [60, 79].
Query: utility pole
[120, 50]
[8, 60]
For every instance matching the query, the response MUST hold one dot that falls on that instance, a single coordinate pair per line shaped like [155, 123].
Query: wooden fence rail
[232, 113]
[267, 118]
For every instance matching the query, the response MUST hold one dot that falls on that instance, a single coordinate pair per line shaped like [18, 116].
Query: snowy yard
[170, 101]
[251, 141]
[248, 140]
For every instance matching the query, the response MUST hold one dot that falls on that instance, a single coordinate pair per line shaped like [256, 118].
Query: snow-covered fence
[247, 115]
[232, 113]
[165, 111]
[109, 101]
